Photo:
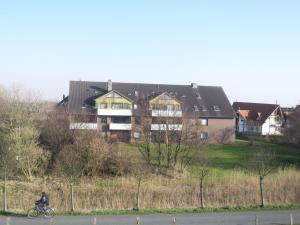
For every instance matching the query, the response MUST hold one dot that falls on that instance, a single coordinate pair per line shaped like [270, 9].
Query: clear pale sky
[251, 48]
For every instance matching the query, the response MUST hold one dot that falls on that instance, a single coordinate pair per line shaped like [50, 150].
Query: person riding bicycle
[43, 203]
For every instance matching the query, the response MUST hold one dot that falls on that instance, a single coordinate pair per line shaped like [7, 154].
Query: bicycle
[35, 212]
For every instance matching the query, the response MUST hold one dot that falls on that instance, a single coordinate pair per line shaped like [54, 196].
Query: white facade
[272, 126]
[114, 112]
[120, 126]
[166, 113]
[176, 127]
[83, 126]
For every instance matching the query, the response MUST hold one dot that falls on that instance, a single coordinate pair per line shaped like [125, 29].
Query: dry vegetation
[236, 188]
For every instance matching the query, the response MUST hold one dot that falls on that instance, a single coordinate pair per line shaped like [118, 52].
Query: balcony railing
[114, 112]
[120, 126]
[83, 126]
[166, 113]
[176, 127]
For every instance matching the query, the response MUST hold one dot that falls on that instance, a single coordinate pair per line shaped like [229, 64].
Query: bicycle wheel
[50, 213]
[32, 213]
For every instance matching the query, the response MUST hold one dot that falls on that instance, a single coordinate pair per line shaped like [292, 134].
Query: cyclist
[43, 203]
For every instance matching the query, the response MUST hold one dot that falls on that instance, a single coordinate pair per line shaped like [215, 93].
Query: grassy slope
[230, 157]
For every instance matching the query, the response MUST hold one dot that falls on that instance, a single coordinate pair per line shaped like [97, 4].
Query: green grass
[166, 211]
[227, 158]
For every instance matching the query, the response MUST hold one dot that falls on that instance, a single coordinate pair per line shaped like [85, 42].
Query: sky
[250, 48]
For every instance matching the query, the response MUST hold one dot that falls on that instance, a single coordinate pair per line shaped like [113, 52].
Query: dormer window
[103, 105]
[136, 93]
[198, 96]
[196, 108]
[216, 108]
[204, 109]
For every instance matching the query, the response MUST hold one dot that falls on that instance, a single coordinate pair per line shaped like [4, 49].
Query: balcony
[114, 112]
[120, 126]
[176, 127]
[166, 113]
[83, 126]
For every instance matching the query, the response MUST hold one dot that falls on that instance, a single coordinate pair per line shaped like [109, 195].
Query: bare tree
[140, 173]
[262, 163]
[203, 163]
[20, 111]
[55, 133]
[31, 159]
[7, 165]
[225, 135]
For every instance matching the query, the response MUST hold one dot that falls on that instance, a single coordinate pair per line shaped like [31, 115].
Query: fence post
[174, 221]
[256, 220]
[291, 219]
[138, 221]
[72, 197]
[95, 221]
[51, 221]
[8, 221]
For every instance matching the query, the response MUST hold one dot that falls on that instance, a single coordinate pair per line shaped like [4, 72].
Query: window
[204, 109]
[137, 135]
[204, 122]
[117, 106]
[126, 106]
[177, 107]
[165, 97]
[103, 119]
[203, 135]
[196, 108]
[113, 95]
[169, 107]
[103, 105]
[216, 108]
[135, 106]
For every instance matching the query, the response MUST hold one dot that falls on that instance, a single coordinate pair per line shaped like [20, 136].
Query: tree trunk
[261, 185]
[72, 197]
[138, 194]
[4, 194]
[201, 194]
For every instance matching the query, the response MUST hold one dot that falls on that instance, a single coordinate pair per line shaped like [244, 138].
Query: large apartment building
[131, 111]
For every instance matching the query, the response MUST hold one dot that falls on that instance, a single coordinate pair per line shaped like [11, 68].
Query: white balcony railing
[166, 113]
[114, 112]
[166, 126]
[83, 126]
[120, 126]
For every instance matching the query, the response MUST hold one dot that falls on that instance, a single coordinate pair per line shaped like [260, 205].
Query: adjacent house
[258, 118]
[292, 116]
[130, 112]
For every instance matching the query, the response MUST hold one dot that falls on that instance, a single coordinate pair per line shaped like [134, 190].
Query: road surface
[217, 218]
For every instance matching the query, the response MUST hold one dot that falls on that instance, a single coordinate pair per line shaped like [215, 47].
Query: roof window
[216, 108]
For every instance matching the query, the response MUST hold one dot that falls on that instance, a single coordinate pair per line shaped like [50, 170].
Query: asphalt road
[228, 218]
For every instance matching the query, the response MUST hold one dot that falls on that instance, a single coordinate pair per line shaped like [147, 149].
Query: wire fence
[254, 220]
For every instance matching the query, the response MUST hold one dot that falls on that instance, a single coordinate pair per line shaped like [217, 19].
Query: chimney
[109, 85]
[194, 85]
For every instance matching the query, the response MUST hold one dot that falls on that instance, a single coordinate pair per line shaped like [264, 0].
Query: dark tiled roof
[258, 112]
[83, 93]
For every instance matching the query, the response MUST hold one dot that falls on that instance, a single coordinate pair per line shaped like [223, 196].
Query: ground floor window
[137, 135]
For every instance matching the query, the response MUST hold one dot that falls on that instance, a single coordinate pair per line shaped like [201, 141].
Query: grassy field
[228, 158]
